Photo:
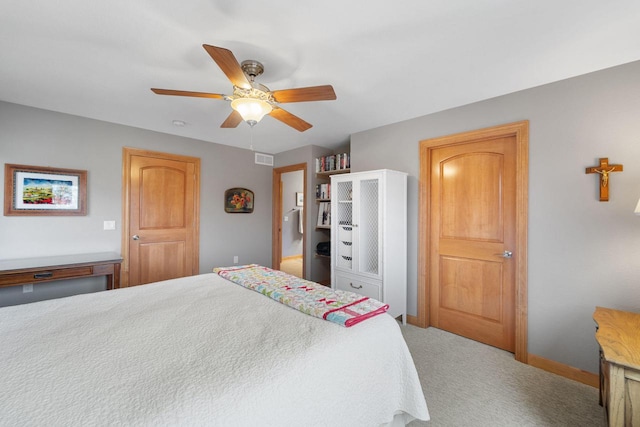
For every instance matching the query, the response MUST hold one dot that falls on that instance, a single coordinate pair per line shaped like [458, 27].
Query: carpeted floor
[469, 384]
[292, 266]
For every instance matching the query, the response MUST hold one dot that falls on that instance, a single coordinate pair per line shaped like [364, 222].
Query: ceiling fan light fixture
[252, 110]
[250, 100]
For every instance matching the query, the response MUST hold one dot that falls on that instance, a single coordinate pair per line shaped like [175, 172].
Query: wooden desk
[618, 335]
[15, 272]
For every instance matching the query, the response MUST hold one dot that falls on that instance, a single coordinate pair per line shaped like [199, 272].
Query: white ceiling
[387, 61]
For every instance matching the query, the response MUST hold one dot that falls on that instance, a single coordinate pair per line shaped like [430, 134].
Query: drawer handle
[346, 228]
[347, 243]
[355, 287]
[348, 258]
[46, 275]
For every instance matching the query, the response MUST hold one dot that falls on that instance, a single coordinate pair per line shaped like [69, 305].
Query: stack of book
[333, 162]
[323, 191]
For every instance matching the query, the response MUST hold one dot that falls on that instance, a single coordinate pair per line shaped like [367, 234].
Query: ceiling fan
[251, 101]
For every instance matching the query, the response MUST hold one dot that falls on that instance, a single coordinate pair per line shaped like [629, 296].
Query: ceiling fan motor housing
[252, 68]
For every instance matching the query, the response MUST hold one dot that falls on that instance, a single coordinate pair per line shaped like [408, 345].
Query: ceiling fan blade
[229, 65]
[314, 93]
[187, 93]
[289, 119]
[232, 121]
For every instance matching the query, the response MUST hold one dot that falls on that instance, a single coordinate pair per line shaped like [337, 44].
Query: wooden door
[474, 268]
[160, 235]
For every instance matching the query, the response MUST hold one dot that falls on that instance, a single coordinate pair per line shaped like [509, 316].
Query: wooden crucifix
[604, 169]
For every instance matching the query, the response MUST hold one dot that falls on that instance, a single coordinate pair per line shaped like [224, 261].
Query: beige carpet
[468, 384]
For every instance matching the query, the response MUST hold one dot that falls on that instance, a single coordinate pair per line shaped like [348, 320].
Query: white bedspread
[198, 351]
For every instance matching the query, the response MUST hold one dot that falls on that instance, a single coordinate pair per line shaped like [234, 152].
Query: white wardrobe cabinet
[369, 236]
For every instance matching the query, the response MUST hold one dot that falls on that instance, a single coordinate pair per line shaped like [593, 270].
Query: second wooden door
[473, 237]
[161, 230]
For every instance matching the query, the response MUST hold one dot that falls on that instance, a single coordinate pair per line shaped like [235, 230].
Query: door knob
[506, 254]
[136, 237]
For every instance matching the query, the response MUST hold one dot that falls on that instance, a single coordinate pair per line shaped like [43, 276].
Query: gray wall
[43, 138]
[582, 253]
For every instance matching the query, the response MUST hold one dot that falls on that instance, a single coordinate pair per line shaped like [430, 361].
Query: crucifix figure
[604, 169]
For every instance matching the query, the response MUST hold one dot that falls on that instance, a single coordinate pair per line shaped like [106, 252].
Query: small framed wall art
[299, 199]
[35, 190]
[238, 200]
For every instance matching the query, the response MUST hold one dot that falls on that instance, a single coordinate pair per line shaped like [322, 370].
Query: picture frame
[238, 200]
[299, 199]
[44, 191]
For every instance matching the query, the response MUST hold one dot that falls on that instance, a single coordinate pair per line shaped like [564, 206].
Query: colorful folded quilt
[341, 307]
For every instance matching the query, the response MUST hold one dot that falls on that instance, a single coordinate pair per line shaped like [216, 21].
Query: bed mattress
[199, 351]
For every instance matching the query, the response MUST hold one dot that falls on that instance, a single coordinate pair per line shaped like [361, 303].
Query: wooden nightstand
[618, 334]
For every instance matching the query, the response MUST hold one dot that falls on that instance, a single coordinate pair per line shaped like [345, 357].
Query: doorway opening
[289, 223]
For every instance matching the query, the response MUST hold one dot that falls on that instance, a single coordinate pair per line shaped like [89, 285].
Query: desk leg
[113, 279]
[116, 276]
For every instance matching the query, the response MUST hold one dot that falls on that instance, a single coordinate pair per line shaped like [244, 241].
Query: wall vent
[264, 159]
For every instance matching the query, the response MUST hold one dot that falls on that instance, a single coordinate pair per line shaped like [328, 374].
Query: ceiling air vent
[264, 159]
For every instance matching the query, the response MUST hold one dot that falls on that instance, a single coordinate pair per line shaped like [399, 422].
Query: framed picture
[238, 200]
[299, 199]
[34, 190]
[324, 215]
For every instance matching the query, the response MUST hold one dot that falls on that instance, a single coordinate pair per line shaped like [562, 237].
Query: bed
[199, 350]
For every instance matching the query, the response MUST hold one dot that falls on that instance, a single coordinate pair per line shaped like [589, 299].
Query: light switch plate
[109, 225]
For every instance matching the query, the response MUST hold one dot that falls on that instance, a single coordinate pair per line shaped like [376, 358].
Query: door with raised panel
[472, 273]
[160, 235]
